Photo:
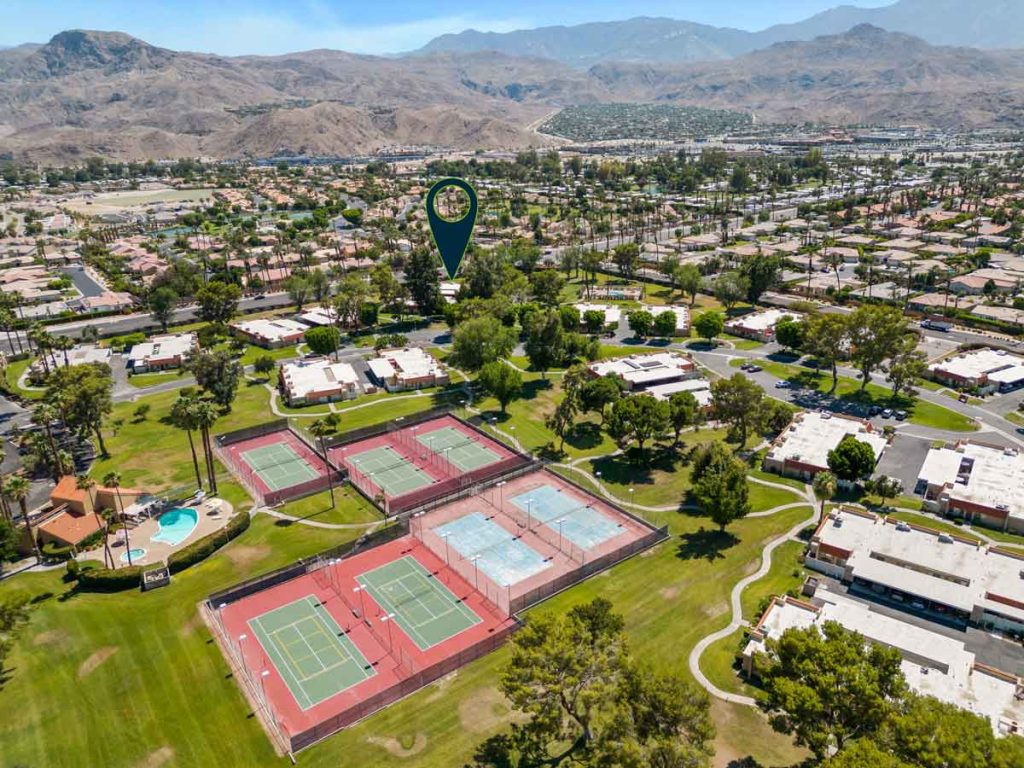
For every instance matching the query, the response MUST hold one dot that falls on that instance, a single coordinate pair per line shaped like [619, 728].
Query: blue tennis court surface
[502, 557]
[583, 525]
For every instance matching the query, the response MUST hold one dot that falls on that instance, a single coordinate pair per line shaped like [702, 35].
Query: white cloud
[267, 35]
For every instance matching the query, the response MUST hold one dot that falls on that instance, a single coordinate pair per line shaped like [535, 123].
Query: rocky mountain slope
[107, 93]
[968, 23]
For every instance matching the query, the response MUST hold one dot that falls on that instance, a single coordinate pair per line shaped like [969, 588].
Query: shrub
[55, 552]
[107, 580]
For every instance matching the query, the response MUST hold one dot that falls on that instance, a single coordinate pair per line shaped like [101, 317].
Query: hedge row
[206, 546]
[107, 580]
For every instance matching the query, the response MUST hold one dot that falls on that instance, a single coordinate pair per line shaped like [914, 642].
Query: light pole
[386, 619]
[263, 688]
[241, 652]
[447, 560]
[529, 506]
[560, 521]
[476, 573]
[631, 492]
[362, 609]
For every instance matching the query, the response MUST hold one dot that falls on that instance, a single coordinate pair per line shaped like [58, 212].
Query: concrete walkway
[737, 607]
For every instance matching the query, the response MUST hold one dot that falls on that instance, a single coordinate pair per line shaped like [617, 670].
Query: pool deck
[158, 551]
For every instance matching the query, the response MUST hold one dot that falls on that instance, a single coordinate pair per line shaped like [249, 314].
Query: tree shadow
[584, 436]
[784, 356]
[705, 544]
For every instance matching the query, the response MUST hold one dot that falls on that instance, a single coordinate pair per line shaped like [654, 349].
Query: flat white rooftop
[406, 363]
[163, 348]
[979, 474]
[318, 377]
[997, 365]
[928, 564]
[811, 435]
[612, 314]
[761, 321]
[640, 370]
[699, 388]
[272, 329]
[81, 354]
[318, 316]
[934, 665]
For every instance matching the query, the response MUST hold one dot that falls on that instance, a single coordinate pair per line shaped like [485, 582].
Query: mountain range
[989, 24]
[106, 93]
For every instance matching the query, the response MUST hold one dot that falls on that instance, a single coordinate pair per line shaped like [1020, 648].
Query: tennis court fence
[543, 531]
[400, 690]
[249, 478]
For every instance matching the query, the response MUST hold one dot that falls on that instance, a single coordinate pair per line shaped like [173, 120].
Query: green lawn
[349, 507]
[13, 372]
[143, 380]
[921, 412]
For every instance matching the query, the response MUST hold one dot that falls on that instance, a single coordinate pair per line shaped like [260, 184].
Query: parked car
[901, 415]
[887, 413]
[783, 384]
[874, 410]
[755, 369]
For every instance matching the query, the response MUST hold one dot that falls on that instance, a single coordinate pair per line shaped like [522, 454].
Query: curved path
[737, 607]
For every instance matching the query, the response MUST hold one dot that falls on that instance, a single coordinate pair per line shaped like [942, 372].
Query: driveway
[903, 459]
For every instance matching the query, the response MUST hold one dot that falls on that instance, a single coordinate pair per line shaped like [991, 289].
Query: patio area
[166, 532]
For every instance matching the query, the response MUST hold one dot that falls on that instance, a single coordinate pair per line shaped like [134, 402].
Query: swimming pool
[137, 554]
[176, 525]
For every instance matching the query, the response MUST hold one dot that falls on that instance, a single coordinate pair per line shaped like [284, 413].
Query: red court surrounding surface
[400, 668]
[567, 563]
[248, 474]
[404, 442]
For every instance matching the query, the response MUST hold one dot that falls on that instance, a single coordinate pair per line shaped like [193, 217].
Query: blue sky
[234, 27]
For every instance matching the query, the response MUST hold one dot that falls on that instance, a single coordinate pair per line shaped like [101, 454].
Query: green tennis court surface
[310, 651]
[460, 449]
[390, 471]
[279, 466]
[424, 608]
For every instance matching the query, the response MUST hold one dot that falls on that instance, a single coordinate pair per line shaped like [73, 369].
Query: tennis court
[459, 448]
[390, 471]
[500, 555]
[279, 466]
[310, 652]
[423, 607]
[581, 524]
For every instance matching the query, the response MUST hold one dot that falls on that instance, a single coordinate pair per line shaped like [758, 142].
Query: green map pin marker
[451, 237]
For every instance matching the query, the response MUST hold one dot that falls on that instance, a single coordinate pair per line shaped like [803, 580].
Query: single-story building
[318, 381]
[162, 352]
[802, 449]
[760, 326]
[271, 333]
[986, 370]
[640, 372]
[408, 368]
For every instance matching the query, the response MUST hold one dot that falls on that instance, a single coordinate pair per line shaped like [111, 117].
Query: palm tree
[320, 429]
[825, 486]
[44, 414]
[184, 418]
[86, 483]
[206, 415]
[113, 480]
[17, 488]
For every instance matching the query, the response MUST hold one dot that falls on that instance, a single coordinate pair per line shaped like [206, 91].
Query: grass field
[921, 412]
[132, 663]
[13, 372]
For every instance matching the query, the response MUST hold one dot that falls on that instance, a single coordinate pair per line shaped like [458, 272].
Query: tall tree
[852, 459]
[162, 302]
[876, 334]
[638, 418]
[480, 341]
[684, 411]
[738, 402]
[588, 703]
[321, 429]
[828, 340]
[113, 480]
[762, 274]
[206, 415]
[709, 325]
[829, 686]
[720, 484]
[218, 302]
[82, 394]
[217, 373]
[502, 381]
[825, 487]
[545, 341]
[422, 280]
[183, 417]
